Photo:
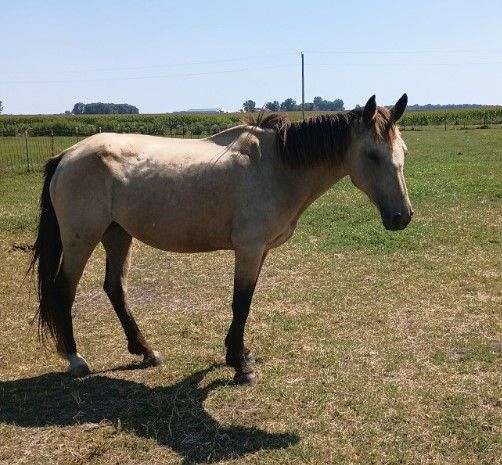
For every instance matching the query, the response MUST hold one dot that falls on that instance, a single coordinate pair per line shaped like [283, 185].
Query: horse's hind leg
[117, 244]
[75, 256]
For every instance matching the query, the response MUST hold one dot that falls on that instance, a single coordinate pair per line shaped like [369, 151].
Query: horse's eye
[373, 156]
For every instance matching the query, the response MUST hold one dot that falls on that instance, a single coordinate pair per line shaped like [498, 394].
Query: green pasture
[373, 347]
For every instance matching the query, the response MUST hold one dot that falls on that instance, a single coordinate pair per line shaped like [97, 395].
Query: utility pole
[303, 88]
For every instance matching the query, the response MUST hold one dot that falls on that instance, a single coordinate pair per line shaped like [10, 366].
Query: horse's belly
[184, 241]
[178, 228]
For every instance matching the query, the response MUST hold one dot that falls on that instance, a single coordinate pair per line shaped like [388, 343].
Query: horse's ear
[398, 109]
[369, 110]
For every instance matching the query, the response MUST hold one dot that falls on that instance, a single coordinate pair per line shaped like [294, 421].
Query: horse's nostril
[396, 216]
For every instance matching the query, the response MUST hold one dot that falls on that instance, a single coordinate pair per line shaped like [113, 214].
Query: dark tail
[47, 251]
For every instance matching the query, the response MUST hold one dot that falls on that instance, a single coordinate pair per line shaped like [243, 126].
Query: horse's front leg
[248, 263]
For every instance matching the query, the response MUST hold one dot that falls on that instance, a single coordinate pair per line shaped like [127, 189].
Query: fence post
[445, 120]
[52, 143]
[27, 153]
[100, 129]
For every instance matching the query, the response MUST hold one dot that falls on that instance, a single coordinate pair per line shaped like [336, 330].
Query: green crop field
[373, 347]
[179, 124]
[487, 116]
[169, 124]
[460, 117]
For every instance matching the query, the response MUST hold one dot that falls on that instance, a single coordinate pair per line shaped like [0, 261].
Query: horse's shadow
[174, 416]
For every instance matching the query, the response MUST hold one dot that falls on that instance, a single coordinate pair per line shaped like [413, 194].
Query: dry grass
[373, 347]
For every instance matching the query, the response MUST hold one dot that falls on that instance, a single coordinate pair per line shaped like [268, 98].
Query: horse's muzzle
[397, 220]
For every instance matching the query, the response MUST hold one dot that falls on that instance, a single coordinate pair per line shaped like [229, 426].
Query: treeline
[100, 108]
[318, 104]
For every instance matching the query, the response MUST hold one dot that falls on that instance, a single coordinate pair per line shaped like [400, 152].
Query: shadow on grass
[174, 416]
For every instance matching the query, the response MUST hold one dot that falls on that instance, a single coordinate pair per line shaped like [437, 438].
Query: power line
[400, 52]
[198, 62]
[246, 69]
[131, 78]
[170, 65]
[464, 63]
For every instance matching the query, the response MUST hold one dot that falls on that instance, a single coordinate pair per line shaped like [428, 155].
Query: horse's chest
[284, 235]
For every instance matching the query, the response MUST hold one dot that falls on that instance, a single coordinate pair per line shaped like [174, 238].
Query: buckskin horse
[242, 189]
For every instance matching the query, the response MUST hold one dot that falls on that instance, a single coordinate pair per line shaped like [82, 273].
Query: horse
[242, 189]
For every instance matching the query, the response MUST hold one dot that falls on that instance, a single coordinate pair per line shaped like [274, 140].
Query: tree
[288, 105]
[249, 106]
[327, 105]
[1, 106]
[337, 105]
[78, 108]
[318, 101]
[273, 106]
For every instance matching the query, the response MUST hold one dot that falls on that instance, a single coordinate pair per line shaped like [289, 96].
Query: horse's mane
[322, 138]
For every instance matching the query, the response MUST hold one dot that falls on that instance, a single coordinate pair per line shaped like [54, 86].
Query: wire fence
[24, 152]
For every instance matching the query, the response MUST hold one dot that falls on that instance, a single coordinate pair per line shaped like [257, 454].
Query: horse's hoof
[153, 360]
[79, 371]
[78, 366]
[245, 378]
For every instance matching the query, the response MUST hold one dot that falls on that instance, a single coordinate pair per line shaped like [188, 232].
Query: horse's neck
[308, 184]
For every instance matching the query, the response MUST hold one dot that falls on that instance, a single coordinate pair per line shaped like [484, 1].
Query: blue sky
[165, 56]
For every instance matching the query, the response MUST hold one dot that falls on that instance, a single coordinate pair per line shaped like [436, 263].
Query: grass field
[373, 347]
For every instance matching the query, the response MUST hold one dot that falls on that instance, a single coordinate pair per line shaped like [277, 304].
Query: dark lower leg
[61, 302]
[63, 294]
[117, 243]
[136, 342]
[241, 303]
[238, 356]
[248, 263]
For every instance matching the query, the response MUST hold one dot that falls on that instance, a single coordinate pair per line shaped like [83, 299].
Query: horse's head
[375, 164]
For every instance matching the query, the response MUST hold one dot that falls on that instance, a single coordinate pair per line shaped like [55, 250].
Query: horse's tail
[47, 251]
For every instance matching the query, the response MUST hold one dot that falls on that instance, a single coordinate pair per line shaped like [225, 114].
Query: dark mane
[323, 138]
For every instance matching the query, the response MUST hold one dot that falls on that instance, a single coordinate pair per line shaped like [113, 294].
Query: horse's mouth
[396, 221]
[395, 226]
